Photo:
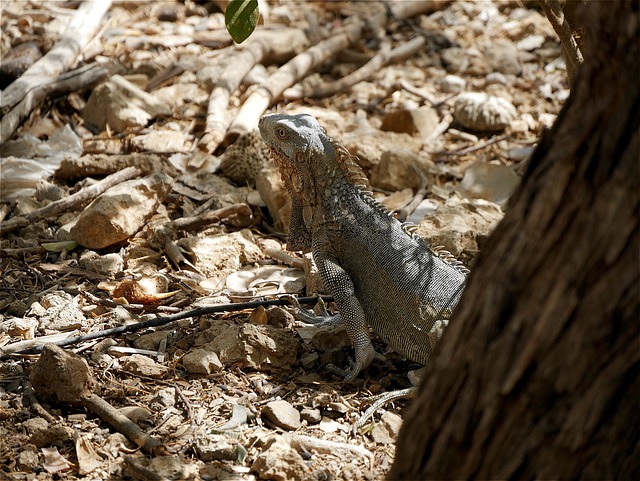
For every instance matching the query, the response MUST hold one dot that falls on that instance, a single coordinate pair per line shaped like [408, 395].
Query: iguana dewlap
[380, 275]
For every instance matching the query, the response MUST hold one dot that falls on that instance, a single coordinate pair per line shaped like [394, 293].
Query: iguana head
[311, 164]
[308, 159]
[304, 154]
[295, 137]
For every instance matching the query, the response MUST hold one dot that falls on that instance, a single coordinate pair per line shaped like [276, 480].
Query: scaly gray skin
[380, 275]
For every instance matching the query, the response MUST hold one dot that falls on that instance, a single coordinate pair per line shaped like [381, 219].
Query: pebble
[386, 431]
[495, 78]
[452, 84]
[282, 414]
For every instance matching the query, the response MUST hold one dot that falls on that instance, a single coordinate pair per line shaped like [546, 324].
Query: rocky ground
[131, 191]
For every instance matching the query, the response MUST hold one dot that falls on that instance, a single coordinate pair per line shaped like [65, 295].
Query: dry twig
[302, 65]
[23, 95]
[72, 202]
[211, 217]
[161, 321]
[385, 56]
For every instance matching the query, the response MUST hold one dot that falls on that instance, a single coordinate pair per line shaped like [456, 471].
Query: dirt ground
[134, 188]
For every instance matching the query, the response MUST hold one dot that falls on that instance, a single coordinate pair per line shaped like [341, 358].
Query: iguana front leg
[340, 286]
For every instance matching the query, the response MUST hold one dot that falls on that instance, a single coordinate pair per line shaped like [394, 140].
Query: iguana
[381, 275]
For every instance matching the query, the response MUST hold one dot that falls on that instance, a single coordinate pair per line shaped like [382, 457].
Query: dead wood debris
[23, 95]
[72, 202]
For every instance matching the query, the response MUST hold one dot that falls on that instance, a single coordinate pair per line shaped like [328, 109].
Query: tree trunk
[537, 374]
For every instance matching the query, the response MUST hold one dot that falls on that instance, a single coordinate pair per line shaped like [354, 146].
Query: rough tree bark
[537, 375]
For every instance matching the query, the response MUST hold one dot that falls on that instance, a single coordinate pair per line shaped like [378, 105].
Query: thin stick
[208, 218]
[474, 148]
[161, 321]
[382, 58]
[68, 203]
[124, 425]
[24, 94]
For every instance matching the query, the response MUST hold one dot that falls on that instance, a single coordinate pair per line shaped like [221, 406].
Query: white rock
[386, 431]
[120, 212]
[452, 84]
[482, 112]
[282, 414]
[201, 361]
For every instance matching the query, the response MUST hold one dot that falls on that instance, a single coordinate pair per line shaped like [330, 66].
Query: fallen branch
[61, 376]
[308, 443]
[473, 148]
[72, 202]
[26, 93]
[290, 73]
[160, 321]
[81, 78]
[124, 425]
[211, 217]
[305, 63]
[330, 88]
[217, 121]
[385, 56]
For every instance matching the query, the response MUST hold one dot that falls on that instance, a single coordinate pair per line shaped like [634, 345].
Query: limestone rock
[455, 59]
[311, 416]
[330, 338]
[368, 146]
[482, 112]
[107, 264]
[261, 347]
[217, 256]
[452, 84]
[215, 447]
[201, 361]
[396, 170]
[502, 56]
[120, 104]
[151, 340]
[460, 225]
[274, 194]
[492, 182]
[120, 212]
[57, 310]
[386, 431]
[422, 121]
[28, 460]
[162, 142]
[75, 383]
[35, 424]
[280, 462]
[143, 365]
[282, 414]
[53, 436]
[136, 413]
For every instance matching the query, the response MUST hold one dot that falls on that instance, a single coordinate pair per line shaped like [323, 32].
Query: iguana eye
[282, 133]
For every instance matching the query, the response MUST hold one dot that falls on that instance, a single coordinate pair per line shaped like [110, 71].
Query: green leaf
[59, 246]
[241, 18]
